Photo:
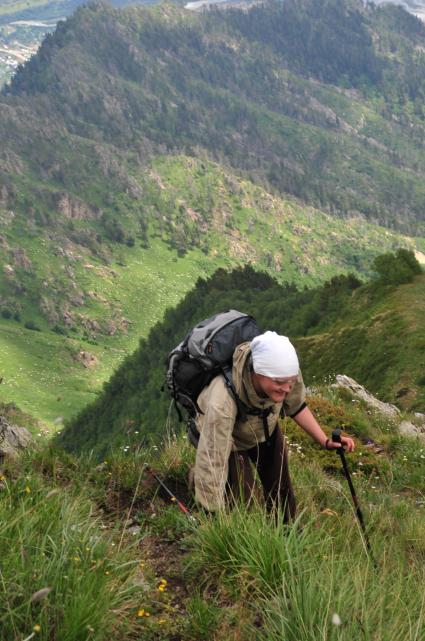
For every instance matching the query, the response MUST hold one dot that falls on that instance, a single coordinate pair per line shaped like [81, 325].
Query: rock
[68, 319]
[406, 428]
[360, 392]
[88, 360]
[20, 259]
[409, 429]
[421, 418]
[134, 530]
[75, 209]
[8, 270]
[12, 439]
[3, 243]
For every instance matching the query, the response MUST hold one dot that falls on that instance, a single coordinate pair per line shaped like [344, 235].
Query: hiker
[266, 376]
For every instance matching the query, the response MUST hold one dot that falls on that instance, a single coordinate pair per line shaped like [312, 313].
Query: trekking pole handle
[336, 436]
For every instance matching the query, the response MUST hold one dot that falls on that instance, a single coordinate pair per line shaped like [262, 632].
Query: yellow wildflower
[27, 489]
[37, 628]
[142, 613]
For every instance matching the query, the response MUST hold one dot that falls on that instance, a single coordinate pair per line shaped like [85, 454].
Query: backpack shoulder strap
[243, 408]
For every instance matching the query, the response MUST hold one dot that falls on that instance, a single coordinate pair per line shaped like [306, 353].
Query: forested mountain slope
[321, 99]
[142, 148]
[373, 332]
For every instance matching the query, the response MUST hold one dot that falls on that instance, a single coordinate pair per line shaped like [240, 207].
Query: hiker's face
[276, 389]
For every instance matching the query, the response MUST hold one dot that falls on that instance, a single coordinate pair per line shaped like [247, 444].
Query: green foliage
[396, 269]
[32, 325]
[123, 562]
[370, 352]
[202, 618]
[107, 188]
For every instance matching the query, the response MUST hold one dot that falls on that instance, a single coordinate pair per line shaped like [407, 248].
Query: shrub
[31, 325]
[398, 268]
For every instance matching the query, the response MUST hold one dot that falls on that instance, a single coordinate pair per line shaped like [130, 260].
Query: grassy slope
[343, 149]
[124, 563]
[366, 343]
[40, 370]
[247, 224]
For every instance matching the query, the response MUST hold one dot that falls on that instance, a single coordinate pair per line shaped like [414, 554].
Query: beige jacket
[221, 431]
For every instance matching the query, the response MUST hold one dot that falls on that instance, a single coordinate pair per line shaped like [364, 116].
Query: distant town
[19, 40]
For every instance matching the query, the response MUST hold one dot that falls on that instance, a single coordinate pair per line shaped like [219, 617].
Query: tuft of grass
[60, 572]
[203, 618]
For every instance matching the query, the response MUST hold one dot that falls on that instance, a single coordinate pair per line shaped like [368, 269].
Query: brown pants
[271, 462]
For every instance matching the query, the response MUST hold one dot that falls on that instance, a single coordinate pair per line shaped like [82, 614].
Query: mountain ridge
[371, 332]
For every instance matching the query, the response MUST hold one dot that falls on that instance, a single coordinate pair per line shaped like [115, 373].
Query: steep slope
[96, 193]
[373, 332]
[244, 87]
[91, 300]
[381, 342]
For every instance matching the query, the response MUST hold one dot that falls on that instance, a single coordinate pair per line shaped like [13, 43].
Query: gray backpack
[206, 352]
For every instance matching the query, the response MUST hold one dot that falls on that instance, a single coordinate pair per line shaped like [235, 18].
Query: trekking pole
[173, 498]
[336, 438]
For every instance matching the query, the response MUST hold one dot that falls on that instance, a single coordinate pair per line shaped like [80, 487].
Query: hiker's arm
[308, 423]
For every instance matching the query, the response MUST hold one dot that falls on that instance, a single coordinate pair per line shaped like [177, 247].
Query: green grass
[51, 540]
[39, 369]
[237, 574]
[376, 331]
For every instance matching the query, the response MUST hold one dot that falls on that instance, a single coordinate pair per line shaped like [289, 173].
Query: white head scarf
[274, 356]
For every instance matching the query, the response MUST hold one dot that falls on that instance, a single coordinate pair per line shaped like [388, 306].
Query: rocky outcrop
[12, 439]
[20, 259]
[360, 392]
[86, 359]
[415, 428]
[75, 209]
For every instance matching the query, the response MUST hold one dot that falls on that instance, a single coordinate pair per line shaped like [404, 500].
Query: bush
[398, 268]
[31, 325]
[59, 330]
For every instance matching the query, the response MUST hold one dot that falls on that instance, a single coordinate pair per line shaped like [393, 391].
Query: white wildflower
[336, 620]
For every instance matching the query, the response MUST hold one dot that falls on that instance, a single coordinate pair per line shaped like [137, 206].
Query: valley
[183, 157]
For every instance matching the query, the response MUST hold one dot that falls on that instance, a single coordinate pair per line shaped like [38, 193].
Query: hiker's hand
[346, 442]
